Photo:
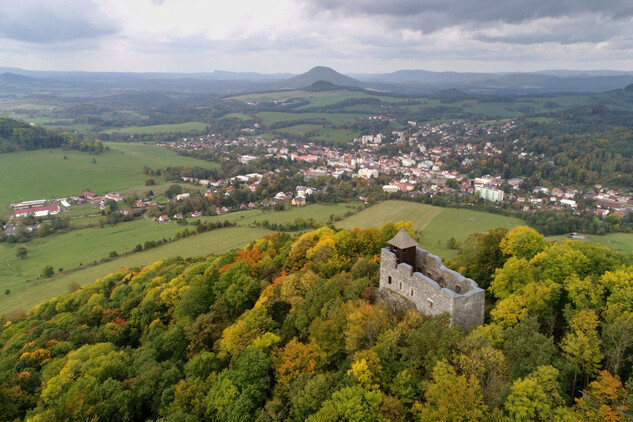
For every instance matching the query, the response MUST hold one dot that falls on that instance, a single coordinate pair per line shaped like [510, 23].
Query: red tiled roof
[51, 209]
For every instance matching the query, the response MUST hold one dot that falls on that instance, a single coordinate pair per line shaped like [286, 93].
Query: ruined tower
[412, 277]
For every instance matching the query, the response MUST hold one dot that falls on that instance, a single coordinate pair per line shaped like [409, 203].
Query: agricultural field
[320, 133]
[74, 250]
[317, 99]
[236, 116]
[46, 173]
[319, 212]
[155, 129]
[436, 225]
[270, 117]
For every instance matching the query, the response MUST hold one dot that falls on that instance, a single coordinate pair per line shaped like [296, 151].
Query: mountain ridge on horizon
[405, 81]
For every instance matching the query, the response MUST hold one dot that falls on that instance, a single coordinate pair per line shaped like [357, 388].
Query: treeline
[18, 136]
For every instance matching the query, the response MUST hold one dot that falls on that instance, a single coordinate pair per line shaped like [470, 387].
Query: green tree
[47, 271]
[512, 278]
[481, 255]
[451, 397]
[350, 404]
[44, 230]
[523, 242]
[21, 252]
[536, 397]
[581, 346]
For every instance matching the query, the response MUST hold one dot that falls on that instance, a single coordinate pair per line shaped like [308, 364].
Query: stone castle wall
[433, 288]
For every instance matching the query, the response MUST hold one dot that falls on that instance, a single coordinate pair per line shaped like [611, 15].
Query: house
[299, 201]
[38, 211]
[281, 196]
[163, 218]
[114, 196]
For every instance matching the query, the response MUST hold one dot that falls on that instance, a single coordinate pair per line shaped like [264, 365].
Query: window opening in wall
[430, 303]
[401, 285]
[411, 293]
[458, 289]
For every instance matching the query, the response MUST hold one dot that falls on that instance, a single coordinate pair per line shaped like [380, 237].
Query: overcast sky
[352, 36]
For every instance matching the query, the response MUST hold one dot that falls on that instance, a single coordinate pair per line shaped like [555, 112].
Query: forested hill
[291, 329]
[18, 136]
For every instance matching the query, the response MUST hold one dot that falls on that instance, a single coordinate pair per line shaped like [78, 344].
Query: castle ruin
[412, 277]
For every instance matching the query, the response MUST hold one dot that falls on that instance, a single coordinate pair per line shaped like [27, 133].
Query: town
[420, 161]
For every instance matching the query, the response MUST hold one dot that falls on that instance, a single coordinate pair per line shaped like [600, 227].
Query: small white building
[391, 188]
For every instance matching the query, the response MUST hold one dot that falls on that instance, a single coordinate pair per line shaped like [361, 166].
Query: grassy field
[236, 116]
[299, 130]
[319, 212]
[339, 136]
[80, 248]
[178, 127]
[320, 133]
[436, 224]
[45, 173]
[270, 117]
[214, 242]
[72, 249]
[620, 241]
[317, 99]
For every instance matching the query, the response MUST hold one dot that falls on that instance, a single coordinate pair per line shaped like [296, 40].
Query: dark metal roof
[403, 240]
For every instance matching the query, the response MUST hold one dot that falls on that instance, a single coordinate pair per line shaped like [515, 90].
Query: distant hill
[14, 78]
[406, 82]
[319, 86]
[318, 74]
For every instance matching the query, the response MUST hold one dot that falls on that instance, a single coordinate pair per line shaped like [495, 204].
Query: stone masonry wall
[429, 296]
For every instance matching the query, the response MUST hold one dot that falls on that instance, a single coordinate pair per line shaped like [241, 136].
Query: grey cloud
[563, 31]
[45, 22]
[433, 15]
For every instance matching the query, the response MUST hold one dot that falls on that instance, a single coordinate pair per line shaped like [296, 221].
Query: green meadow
[236, 116]
[437, 225]
[316, 99]
[75, 250]
[319, 212]
[620, 241]
[270, 117]
[46, 173]
[155, 129]
[320, 133]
